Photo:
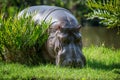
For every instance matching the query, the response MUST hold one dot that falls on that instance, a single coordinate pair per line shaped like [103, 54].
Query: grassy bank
[102, 64]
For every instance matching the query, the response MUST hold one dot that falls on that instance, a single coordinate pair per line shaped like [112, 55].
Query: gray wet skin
[64, 44]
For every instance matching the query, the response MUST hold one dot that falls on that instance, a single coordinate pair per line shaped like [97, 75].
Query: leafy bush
[18, 39]
[106, 10]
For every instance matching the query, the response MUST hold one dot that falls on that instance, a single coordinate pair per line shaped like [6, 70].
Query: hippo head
[65, 45]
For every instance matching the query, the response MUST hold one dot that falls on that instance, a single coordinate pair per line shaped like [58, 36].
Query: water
[100, 36]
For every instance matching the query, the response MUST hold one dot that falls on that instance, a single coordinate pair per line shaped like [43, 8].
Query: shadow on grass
[99, 65]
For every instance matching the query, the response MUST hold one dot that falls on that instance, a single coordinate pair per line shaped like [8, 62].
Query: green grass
[102, 64]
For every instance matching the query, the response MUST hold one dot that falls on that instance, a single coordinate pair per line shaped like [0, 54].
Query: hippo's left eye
[78, 40]
[66, 41]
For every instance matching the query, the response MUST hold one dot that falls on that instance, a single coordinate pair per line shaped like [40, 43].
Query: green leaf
[106, 10]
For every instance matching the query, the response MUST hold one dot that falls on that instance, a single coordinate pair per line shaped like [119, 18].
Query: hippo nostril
[70, 62]
[79, 63]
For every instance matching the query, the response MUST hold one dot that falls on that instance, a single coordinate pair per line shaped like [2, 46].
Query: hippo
[64, 44]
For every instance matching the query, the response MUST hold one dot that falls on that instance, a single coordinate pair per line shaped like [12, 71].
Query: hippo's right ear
[79, 27]
[54, 26]
[58, 27]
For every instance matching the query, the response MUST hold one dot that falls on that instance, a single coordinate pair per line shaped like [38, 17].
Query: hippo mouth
[71, 57]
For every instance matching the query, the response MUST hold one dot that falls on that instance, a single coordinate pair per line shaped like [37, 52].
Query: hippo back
[49, 14]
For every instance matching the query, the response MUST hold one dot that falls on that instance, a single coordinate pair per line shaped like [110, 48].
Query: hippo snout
[72, 63]
[64, 59]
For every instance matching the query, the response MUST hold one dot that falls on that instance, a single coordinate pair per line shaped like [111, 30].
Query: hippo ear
[55, 26]
[58, 27]
[79, 27]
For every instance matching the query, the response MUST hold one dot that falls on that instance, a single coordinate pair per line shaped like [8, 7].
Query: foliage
[106, 10]
[18, 38]
[102, 64]
[11, 7]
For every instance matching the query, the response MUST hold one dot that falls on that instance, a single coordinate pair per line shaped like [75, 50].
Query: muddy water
[100, 36]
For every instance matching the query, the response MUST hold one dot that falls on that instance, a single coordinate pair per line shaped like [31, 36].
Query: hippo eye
[66, 41]
[78, 40]
[63, 38]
